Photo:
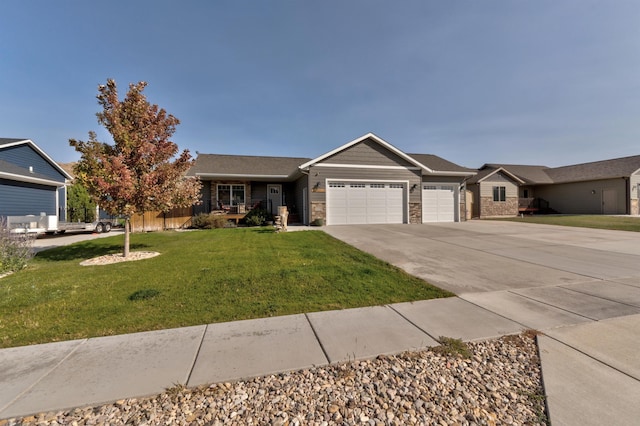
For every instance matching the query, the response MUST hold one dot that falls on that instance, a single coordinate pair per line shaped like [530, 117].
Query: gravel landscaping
[500, 383]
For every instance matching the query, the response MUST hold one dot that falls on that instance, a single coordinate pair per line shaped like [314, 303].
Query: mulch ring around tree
[109, 259]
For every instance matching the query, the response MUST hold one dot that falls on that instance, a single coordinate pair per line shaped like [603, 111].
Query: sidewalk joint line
[602, 297]
[592, 357]
[526, 327]
[197, 355]
[41, 378]
[414, 324]
[553, 306]
[315, 333]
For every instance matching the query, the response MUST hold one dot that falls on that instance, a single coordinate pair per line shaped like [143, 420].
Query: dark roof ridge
[256, 156]
[598, 161]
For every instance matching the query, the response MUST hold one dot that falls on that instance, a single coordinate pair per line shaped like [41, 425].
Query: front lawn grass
[619, 223]
[200, 277]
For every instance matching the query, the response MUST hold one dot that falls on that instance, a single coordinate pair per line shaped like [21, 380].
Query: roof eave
[30, 179]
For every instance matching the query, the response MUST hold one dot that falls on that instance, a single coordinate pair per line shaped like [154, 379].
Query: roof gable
[348, 145]
[529, 174]
[409, 160]
[487, 172]
[26, 159]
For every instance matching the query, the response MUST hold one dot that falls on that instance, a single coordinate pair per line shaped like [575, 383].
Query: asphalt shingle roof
[438, 163]
[245, 165]
[606, 169]
[529, 174]
[596, 170]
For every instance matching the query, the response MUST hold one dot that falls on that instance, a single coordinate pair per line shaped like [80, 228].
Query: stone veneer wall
[318, 210]
[490, 208]
[415, 213]
[635, 207]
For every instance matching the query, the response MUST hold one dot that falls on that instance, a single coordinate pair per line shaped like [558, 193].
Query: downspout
[628, 193]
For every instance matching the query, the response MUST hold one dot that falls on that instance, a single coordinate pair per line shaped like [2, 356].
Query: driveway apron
[579, 287]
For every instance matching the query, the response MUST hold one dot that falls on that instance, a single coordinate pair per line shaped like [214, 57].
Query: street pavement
[580, 287]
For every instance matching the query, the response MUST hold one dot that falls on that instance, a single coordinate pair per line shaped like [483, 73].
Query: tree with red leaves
[140, 172]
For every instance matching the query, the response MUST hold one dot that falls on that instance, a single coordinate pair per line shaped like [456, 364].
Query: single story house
[600, 187]
[31, 183]
[367, 180]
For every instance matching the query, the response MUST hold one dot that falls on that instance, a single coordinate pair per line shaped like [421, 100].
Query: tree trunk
[126, 237]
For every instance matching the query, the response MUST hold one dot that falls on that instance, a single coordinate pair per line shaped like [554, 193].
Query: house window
[499, 193]
[231, 195]
[525, 193]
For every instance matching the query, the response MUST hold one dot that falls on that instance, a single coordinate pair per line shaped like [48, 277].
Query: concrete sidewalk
[93, 371]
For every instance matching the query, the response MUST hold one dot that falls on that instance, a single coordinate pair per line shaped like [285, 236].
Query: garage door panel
[438, 203]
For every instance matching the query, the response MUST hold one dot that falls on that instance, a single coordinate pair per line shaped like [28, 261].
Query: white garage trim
[362, 201]
[440, 202]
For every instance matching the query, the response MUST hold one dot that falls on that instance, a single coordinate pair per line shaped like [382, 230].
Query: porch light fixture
[413, 187]
[593, 192]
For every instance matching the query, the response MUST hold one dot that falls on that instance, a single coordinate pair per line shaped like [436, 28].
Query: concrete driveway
[481, 256]
[580, 287]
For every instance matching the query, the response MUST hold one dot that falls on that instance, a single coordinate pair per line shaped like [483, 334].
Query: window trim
[499, 194]
[230, 189]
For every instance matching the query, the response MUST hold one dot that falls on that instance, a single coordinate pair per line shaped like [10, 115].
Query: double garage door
[365, 202]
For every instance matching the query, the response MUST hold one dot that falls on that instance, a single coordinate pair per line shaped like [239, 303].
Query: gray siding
[301, 208]
[583, 197]
[498, 179]
[367, 152]
[319, 175]
[24, 156]
[205, 197]
[18, 199]
[442, 179]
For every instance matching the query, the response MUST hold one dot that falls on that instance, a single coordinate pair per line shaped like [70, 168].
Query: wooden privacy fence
[158, 221]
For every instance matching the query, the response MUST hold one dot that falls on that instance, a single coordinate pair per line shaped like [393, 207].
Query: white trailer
[49, 224]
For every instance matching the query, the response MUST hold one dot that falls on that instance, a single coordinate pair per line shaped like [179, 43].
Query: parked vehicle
[49, 224]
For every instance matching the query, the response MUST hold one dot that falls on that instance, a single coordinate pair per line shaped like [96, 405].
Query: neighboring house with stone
[363, 181]
[31, 183]
[600, 187]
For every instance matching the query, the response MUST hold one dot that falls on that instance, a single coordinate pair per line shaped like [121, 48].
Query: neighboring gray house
[600, 187]
[31, 183]
[364, 181]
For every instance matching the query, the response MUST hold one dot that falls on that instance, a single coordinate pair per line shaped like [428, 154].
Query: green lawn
[620, 223]
[200, 277]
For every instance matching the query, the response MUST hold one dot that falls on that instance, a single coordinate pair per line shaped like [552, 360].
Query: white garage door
[438, 203]
[361, 203]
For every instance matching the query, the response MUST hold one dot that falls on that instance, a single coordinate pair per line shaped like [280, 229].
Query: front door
[274, 198]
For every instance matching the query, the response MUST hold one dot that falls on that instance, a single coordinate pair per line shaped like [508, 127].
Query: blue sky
[532, 82]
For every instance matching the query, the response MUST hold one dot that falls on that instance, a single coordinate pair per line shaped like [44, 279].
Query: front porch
[533, 205]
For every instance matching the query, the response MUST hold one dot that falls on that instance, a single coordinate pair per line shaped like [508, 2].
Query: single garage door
[439, 203]
[361, 203]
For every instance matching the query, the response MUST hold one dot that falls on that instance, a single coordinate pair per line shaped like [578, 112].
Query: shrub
[257, 217]
[209, 221]
[15, 250]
